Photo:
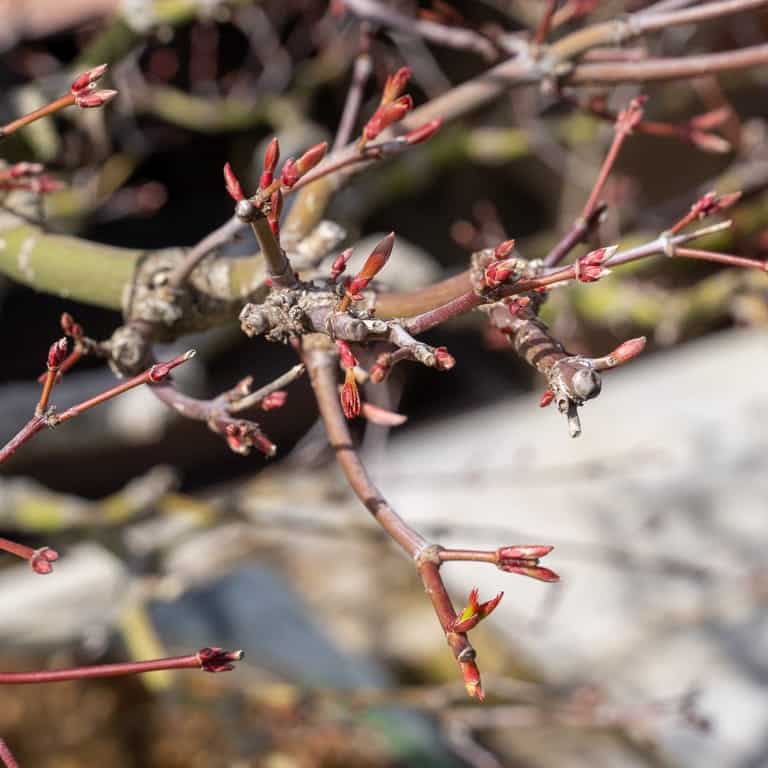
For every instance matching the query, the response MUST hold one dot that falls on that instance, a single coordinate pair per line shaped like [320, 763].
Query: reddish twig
[206, 659]
[6, 756]
[51, 418]
[81, 93]
[39, 559]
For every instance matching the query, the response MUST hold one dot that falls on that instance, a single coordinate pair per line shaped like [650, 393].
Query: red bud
[218, 660]
[274, 400]
[340, 264]
[346, 358]
[444, 360]
[290, 173]
[56, 354]
[547, 397]
[233, 185]
[503, 250]
[395, 84]
[471, 675]
[387, 114]
[90, 99]
[311, 157]
[350, 397]
[524, 551]
[424, 133]
[373, 264]
[42, 558]
[271, 156]
[88, 78]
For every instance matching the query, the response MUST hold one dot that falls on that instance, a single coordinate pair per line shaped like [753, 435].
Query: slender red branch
[6, 756]
[207, 659]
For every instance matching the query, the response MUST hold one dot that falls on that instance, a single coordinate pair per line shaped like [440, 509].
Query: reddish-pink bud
[471, 675]
[218, 660]
[91, 99]
[373, 264]
[531, 571]
[524, 551]
[87, 79]
[340, 264]
[271, 156]
[499, 272]
[475, 611]
[444, 360]
[350, 396]
[242, 436]
[629, 118]
[311, 157]
[290, 173]
[160, 371]
[517, 304]
[424, 133]
[56, 354]
[276, 208]
[380, 369]
[233, 185]
[627, 350]
[590, 268]
[395, 84]
[67, 323]
[274, 400]
[386, 115]
[502, 250]
[18, 170]
[547, 397]
[346, 358]
[42, 560]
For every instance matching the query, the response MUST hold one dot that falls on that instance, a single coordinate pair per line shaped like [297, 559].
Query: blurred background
[652, 651]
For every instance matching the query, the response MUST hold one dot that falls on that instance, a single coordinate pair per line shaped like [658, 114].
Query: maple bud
[290, 173]
[444, 360]
[160, 371]
[590, 268]
[622, 354]
[386, 115]
[395, 84]
[373, 264]
[271, 156]
[474, 611]
[547, 397]
[233, 185]
[242, 436]
[524, 560]
[340, 264]
[87, 79]
[346, 358]
[311, 158]
[517, 304]
[524, 551]
[56, 354]
[42, 559]
[499, 272]
[471, 675]
[423, 133]
[276, 207]
[17, 170]
[502, 250]
[218, 660]
[629, 118]
[350, 396]
[274, 400]
[380, 368]
[91, 99]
